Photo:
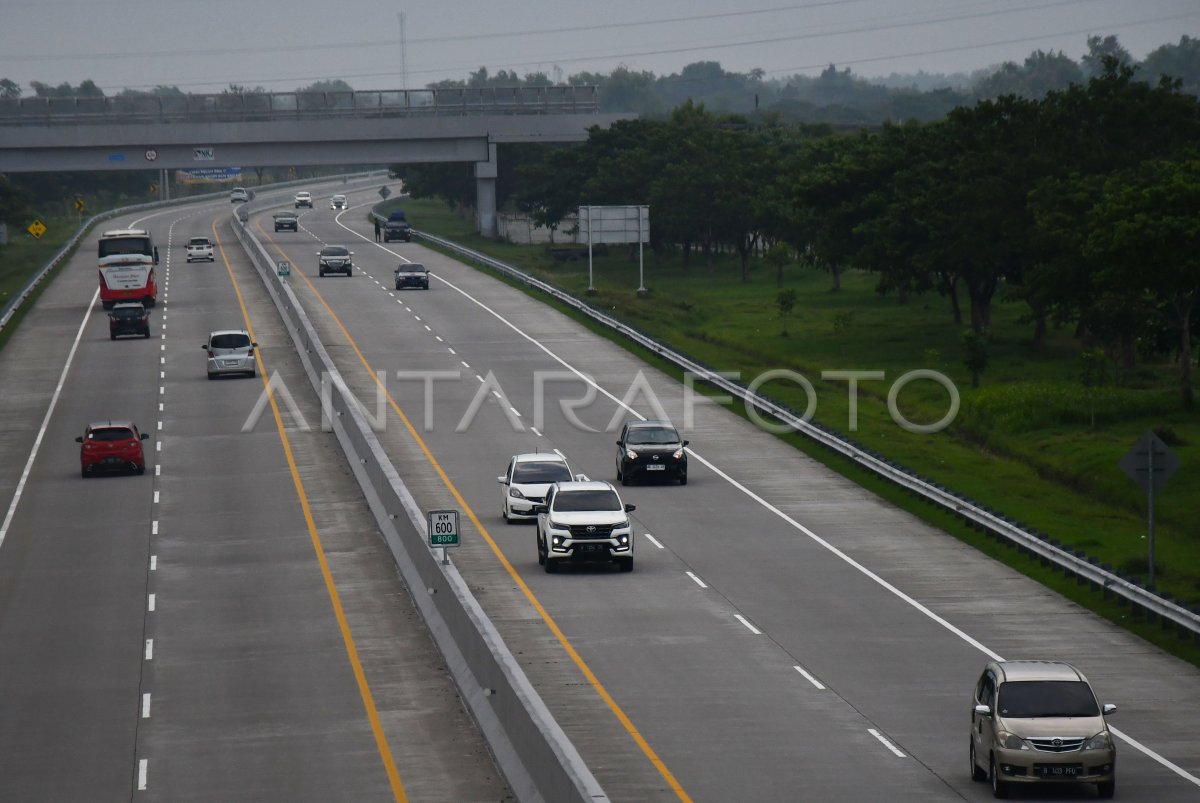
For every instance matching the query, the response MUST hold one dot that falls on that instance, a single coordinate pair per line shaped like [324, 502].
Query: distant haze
[205, 45]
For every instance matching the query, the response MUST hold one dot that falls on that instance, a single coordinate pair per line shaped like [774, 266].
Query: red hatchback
[111, 446]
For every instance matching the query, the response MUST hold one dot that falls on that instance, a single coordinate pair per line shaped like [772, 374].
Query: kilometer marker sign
[443, 530]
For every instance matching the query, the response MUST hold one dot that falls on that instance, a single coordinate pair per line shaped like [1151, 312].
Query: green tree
[1099, 49]
[976, 353]
[9, 89]
[785, 300]
[1180, 62]
[1145, 233]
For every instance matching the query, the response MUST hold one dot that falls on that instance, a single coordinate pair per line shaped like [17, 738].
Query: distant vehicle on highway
[238, 195]
[338, 202]
[111, 446]
[1038, 722]
[286, 221]
[199, 248]
[412, 274]
[128, 318]
[230, 351]
[127, 260]
[335, 259]
[303, 199]
[650, 450]
[397, 230]
[584, 522]
[526, 481]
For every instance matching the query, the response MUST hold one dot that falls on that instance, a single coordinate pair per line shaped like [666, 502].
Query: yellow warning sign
[37, 228]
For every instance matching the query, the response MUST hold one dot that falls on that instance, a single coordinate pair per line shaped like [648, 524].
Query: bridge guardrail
[535, 755]
[1085, 569]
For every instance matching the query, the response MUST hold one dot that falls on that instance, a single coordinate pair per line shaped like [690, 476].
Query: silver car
[230, 351]
[1038, 722]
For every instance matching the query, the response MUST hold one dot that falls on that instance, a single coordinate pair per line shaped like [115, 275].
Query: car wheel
[999, 787]
[541, 555]
[321, 273]
[1106, 789]
[253, 374]
[140, 470]
[625, 564]
[83, 472]
[146, 334]
[625, 478]
[683, 479]
[551, 566]
[211, 375]
[977, 773]
[111, 336]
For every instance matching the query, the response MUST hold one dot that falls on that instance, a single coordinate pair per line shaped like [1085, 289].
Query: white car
[526, 481]
[337, 202]
[304, 199]
[230, 351]
[199, 248]
[238, 195]
[584, 522]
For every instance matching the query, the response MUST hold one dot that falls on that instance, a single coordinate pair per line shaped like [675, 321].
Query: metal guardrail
[269, 106]
[531, 749]
[1049, 552]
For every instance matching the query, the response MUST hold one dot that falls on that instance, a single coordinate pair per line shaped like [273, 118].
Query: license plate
[1064, 771]
[229, 363]
[656, 467]
[592, 547]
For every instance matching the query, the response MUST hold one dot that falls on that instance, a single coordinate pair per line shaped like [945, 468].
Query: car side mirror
[145, 436]
[1109, 708]
[630, 508]
[351, 253]
[620, 443]
[79, 439]
[253, 344]
[685, 443]
[500, 480]
[983, 710]
[540, 509]
[204, 346]
[156, 255]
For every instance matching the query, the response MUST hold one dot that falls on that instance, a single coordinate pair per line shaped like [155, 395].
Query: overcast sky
[204, 45]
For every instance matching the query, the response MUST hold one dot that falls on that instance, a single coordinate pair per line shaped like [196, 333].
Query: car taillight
[250, 353]
[210, 354]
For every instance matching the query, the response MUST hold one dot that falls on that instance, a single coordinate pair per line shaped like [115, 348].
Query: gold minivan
[1039, 722]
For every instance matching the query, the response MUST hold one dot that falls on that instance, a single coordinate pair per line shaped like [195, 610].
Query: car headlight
[513, 492]
[557, 540]
[554, 525]
[622, 525]
[1012, 741]
[678, 454]
[631, 454]
[1101, 741]
[623, 538]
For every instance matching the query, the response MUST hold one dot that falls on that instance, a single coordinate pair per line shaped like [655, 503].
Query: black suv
[651, 449]
[396, 230]
[412, 274]
[128, 318]
[287, 220]
[335, 259]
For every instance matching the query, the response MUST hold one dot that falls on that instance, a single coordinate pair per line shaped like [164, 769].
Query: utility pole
[403, 52]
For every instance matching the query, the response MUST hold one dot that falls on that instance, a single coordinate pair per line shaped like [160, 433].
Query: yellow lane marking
[360, 677]
[516, 577]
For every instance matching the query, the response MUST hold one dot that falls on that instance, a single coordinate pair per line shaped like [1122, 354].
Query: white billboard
[614, 224]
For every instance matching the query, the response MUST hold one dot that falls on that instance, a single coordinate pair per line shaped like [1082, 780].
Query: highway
[228, 626]
[784, 635]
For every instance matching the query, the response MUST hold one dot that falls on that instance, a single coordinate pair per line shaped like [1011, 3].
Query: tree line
[1081, 205]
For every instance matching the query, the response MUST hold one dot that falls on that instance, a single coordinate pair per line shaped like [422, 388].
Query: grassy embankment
[23, 257]
[1023, 444]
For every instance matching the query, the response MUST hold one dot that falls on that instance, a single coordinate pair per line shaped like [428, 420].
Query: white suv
[200, 248]
[584, 522]
[337, 202]
[238, 195]
[304, 199]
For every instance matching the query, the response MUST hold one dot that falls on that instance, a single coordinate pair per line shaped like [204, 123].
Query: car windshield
[111, 434]
[575, 501]
[652, 435]
[541, 472]
[127, 314]
[1028, 699]
[334, 251]
[234, 341]
[198, 241]
[411, 269]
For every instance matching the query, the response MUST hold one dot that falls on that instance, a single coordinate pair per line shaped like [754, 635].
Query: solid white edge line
[653, 540]
[699, 582]
[37, 441]
[535, 432]
[515, 412]
[149, 649]
[146, 705]
[885, 742]
[809, 677]
[143, 770]
[749, 626]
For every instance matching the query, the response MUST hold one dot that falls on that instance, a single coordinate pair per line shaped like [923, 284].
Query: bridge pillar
[485, 192]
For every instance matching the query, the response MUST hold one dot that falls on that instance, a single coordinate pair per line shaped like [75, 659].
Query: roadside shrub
[1030, 406]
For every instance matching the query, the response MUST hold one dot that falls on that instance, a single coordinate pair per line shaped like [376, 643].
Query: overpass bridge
[268, 129]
